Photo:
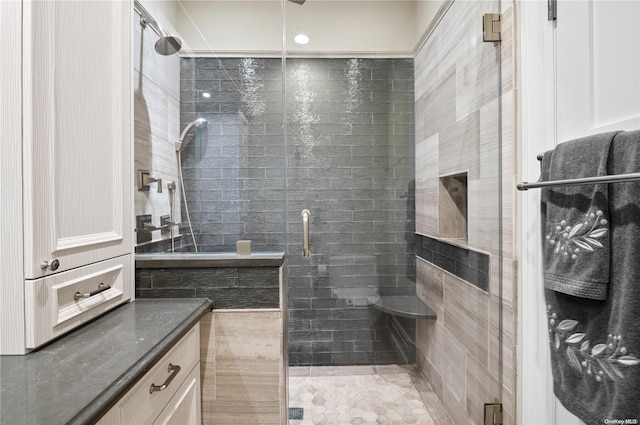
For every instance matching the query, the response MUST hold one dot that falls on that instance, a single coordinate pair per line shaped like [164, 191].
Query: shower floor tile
[365, 395]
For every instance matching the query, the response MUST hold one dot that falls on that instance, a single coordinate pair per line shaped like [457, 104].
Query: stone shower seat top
[208, 260]
[410, 306]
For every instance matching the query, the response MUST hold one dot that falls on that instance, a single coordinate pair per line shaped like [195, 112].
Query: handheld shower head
[195, 123]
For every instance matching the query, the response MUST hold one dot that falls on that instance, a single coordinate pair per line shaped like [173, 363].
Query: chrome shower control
[144, 179]
[53, 265]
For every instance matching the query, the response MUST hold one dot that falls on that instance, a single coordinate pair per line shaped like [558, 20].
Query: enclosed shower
[397, 155]
[349, 161]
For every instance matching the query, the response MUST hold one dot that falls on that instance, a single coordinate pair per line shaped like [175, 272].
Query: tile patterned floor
[365, 395]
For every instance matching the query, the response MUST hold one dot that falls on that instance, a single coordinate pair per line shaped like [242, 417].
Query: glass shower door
[350, 162]
[403, 165]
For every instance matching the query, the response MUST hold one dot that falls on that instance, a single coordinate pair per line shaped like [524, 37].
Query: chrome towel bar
[615, 178]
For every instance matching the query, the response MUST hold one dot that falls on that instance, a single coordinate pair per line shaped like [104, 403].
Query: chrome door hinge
[493, 414]
[491, 27]
[552, 10]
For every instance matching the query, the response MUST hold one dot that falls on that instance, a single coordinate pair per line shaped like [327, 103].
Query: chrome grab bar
[101, 288]
[305, 234]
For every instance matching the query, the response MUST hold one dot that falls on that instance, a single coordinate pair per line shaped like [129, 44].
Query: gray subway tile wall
[349, 159]
[351, 163]
[234, 168]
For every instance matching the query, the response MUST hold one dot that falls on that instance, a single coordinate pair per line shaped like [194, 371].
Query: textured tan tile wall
[464, 103]
[242, 367]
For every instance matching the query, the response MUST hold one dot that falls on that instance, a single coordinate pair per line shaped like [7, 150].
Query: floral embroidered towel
[595, 344]
[576, 218]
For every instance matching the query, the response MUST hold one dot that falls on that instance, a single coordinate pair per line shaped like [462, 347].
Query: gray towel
[576, 245]
[595, 344]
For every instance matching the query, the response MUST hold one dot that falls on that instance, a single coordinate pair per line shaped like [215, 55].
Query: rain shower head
[166, 44]
[195, 123]
[300, 2]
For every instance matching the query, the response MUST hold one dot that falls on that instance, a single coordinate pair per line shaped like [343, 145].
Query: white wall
[375, 27]
[371, 27]
[425, 11]
[336, 27]
[231, 26]
[11, 243]
[166, 12]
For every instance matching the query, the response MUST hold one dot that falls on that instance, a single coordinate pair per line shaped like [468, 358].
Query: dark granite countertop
[78, 378]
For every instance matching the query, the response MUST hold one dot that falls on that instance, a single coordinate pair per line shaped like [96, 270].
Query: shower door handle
[305, 234]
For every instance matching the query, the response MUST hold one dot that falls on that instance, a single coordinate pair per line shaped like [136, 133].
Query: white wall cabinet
[68, 158]
[59, 303]
[77, 98]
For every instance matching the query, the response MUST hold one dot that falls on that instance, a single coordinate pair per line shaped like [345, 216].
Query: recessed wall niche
[453, 206]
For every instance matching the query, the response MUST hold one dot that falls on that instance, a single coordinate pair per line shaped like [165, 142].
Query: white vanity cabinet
[184, 407]
[66, 165]
[168, 394]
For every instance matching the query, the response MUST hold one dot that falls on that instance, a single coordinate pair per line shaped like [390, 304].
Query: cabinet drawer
[184, 408]
[59, 303]
[140, 405]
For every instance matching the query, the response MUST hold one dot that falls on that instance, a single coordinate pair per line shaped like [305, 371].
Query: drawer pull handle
[174, 369]
[101, 288]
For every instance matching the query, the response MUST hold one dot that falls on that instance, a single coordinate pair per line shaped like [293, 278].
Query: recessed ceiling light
[301, 39]
[206, 94]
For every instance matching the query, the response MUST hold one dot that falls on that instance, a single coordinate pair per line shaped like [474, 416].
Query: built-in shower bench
[409, 306]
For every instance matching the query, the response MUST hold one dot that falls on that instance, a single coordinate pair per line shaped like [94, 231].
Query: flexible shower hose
[184, 197]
